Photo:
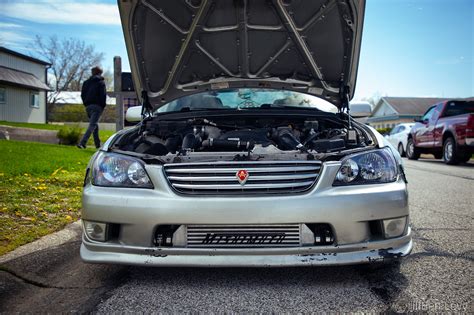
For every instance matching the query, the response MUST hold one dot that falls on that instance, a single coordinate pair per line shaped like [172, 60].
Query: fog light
[394, 227]
[96, 231]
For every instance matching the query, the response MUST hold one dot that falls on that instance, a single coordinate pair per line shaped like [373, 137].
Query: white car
[398, 137]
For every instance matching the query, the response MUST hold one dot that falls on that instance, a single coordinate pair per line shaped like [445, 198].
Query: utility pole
[118, 93]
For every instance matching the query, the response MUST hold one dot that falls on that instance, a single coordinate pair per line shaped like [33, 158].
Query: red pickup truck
[446, 130]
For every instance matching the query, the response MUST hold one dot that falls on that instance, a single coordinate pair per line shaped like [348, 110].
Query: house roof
[71, 97]
[410, 105]
[21, 78]
[22, 56]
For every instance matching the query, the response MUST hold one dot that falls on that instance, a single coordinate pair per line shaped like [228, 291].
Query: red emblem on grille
[242, 176]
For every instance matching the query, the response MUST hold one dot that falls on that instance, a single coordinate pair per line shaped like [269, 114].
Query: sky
[409, 47]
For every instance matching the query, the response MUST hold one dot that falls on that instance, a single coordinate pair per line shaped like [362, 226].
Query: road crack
[432, 248]
[41, 284]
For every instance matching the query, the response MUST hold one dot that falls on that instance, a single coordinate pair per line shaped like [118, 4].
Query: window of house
[3, 95]
[34, 99]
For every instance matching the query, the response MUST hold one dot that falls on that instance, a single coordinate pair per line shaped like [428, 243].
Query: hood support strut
[146, 106]
[345, 97]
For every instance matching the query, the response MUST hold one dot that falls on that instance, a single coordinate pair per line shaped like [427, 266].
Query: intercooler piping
[225, 144]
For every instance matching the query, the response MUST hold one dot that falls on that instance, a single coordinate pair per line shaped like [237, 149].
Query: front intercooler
[244, 236]
[223, 236]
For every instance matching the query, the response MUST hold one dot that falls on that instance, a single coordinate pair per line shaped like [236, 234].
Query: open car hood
[181, 47]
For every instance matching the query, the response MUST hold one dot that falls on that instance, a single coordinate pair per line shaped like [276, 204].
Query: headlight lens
[348, 171]
[115, 170]
[377, 166]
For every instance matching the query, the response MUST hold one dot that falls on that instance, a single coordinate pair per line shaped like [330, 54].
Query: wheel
[400, 149]
[450, 154]
[438, 155]
[412, 152]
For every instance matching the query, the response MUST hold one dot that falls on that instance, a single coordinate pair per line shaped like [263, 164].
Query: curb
[70, 232]
[29, 134]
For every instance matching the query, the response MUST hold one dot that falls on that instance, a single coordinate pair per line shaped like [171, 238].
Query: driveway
[436, 277]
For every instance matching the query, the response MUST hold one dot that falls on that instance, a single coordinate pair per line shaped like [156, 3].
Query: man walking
[93, 96]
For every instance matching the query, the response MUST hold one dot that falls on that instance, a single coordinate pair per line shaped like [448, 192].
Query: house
[390, 111]
[23, 87]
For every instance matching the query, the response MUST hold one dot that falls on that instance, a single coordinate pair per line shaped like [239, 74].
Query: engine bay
[252, 134]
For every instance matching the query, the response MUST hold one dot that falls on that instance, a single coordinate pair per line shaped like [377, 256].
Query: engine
[161, 137]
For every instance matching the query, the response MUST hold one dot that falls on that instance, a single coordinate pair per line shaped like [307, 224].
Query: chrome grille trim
[232, 178]
[247, 186]
[196, 234]
[253, 170]
[282, 177]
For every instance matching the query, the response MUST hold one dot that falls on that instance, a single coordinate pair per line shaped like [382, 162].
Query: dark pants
[93, 112]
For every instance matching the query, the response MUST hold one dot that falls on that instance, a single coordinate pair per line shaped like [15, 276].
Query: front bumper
[368, 252]
[348, 210]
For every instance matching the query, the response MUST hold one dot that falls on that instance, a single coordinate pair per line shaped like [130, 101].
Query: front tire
[412, 152]
[450, 154]
[400, 150]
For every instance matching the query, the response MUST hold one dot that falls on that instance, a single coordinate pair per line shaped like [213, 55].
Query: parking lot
[436, 277]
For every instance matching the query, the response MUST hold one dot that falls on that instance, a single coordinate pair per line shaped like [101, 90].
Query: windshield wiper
[276, 106]
[188, 109]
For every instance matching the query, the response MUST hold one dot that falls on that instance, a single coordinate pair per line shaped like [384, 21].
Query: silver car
[246, 154]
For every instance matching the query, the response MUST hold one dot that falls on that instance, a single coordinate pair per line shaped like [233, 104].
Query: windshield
[454, 108]
[247, 99]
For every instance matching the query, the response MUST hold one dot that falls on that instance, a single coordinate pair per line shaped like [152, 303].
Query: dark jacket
[93, 91]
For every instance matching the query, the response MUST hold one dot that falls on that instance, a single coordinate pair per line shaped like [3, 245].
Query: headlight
[348, 171]
[115, 170]
[377, 166]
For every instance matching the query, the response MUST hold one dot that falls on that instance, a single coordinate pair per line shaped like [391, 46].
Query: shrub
[69, 135]
[384, 131]
[77, 113]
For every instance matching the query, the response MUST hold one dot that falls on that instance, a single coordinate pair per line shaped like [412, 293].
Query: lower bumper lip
[368, 252]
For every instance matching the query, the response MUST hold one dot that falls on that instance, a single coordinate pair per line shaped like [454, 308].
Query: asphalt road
[436, 277]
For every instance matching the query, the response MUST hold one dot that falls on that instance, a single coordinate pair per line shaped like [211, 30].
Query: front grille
[243, 236]
[281, 177]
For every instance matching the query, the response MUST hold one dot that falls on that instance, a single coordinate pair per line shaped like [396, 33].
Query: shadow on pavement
[56, 280]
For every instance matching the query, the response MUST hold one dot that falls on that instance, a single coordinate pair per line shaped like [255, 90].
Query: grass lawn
[103, 134]
[40, 189]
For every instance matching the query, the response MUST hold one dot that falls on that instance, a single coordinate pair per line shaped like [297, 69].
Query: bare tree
[71, 60]
[109, 79]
